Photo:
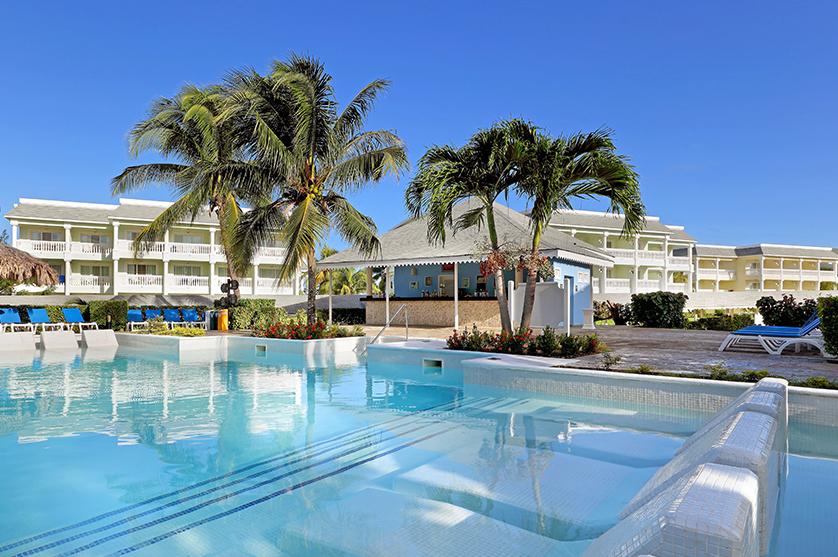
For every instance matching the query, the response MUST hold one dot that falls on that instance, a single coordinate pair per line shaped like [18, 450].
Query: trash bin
[223, 320]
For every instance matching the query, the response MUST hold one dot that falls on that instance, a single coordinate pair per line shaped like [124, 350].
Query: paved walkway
[674, 350]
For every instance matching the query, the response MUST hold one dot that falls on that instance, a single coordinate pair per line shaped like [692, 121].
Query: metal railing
[387, 325]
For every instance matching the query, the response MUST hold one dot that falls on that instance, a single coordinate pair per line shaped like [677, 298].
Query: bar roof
[407, 243]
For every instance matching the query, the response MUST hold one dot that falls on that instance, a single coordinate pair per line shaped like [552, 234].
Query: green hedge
[659, 310]
[828, 311]
[722, 322]
[246, 310]
[786, 312]
[112, 314]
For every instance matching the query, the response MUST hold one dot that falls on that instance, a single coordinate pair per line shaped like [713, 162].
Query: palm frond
[139, 176]
[355, 227]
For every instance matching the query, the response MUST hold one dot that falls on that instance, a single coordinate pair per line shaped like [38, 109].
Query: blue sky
[729, 110]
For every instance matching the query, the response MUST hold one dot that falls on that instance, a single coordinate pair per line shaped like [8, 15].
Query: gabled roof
[767, 250]
[96, 213]
[603, 221]
[407, 243]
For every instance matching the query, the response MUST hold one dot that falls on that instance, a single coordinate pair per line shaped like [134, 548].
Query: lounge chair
[172, 317]
[39, 317]
[153, 314]
[776, 339]
[10, 320]
[191, 317]
[135, 319]
[73, 316]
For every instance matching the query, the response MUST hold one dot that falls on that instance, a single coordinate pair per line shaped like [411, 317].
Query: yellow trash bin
[223, 320]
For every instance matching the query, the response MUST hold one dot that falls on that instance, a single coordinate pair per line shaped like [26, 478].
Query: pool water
[121, 453]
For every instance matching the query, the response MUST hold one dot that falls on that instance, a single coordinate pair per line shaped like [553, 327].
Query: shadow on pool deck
[675, 350]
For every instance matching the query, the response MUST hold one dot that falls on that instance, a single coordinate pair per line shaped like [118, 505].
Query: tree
[187, 128]
[308, 156]
[482, 170]
[556, 171]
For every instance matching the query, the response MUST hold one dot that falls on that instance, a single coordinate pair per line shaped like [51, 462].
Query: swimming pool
[120, 453]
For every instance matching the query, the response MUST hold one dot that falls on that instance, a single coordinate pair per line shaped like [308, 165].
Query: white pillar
[255, 277]
[603, 274]
[67, 274]
[800, 272]
[330, 296]
[165, 275]
[115, 278]
[456, 296]
[567, 305]
[386, 294]
[762, 273]
[665, 278]
[718, 278]
[212, 277]
[510, 296]
[636, 265]
[14, 224]
[690, 266]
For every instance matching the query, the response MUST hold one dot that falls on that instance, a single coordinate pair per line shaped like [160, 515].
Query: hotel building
[90, 245]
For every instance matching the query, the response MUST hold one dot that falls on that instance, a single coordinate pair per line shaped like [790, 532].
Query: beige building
[90, 246]
[660, 257]
[765, 267]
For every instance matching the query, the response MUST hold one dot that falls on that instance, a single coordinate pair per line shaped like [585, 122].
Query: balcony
[125, 248]
[201, 251]
[185, 284]
[89, 284]
[644, 257]
[648, 285]
[721, 274]
[140, 283]
[678, 263]
[42, 248]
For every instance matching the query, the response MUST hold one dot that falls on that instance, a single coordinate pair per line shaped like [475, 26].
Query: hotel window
[270, 272]
[96, 270]
[189, 239]
[132, 235]
[94, 238]
[142, 269]
[47, 237]
[188, 270]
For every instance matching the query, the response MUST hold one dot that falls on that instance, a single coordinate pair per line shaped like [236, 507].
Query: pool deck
[675, 351]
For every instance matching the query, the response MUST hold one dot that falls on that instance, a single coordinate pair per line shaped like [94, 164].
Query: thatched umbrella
[20, 267]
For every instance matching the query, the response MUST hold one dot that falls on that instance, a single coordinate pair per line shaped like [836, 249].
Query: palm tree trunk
[532, 277]
[503, 307]
[221, 208]
[311, 311]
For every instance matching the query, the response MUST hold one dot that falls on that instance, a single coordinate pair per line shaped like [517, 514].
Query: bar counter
[435, 312]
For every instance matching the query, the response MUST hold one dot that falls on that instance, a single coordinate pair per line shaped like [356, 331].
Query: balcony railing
[679, 262]
[154, 249]
[627, 256]
[42, 247]
[89, 248]
[89, 283]
[189, 249]
[181, 282]
[141, 281]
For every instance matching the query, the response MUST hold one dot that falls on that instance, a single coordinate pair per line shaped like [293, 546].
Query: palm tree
[308, 161]
[187, 128]
[559, 170]
[486, 167]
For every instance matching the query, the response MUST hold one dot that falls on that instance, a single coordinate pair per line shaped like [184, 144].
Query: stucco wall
[581, 296]
[437, 313]
[467, 273]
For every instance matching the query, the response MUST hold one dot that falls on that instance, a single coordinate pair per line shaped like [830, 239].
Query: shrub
[828, 312]
[294, 330]
[109, 313]
[722, 322]
[525, 342]
[619, 313]
[609, 360]
[245, 311]
[183, 332]
[786, 312]
[659, 309]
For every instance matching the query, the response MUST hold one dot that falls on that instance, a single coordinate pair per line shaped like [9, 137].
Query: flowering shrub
[548, 343]
[299, 330]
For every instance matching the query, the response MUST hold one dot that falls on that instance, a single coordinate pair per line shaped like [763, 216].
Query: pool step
[375, 522]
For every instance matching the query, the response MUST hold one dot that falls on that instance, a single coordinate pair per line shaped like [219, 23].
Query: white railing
[677, 287]
[612, 285]
[267, 283]
[678, 261]
[270, 252]
[648, 285]
[642, 255]
[127, 246]
[189, 249]
[90, 280]
[177, 282]
[772, 273]
[620, 253]
[89, 248]
[142, 281]
[41, 246]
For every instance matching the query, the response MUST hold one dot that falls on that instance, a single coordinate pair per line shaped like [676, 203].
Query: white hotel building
[90, 246]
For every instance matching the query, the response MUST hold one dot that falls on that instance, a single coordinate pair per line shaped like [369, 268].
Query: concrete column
[212, 249]
[762, 273]
[782, 275]
[568, 316]
[166, 274]
[14, 224]
[67, 274]
[800, 273]
[386, 294]
[636, 274]
[510, 298]
[256, 277]
[330, 296]
[212, 277]
[716, 285]
[603, 277]
[691, 265]
[115, 278]
[665, 279]
[456, 296]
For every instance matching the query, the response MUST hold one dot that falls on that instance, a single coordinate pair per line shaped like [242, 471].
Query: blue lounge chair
[172, 317]
[776, 339]
[39, 317]
[191, 317]
[73, 317]
[135, 319]
[153, 314]
[10, 320]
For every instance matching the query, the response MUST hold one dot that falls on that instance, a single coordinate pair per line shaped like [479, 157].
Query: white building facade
[90, 245]
[659, 257]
